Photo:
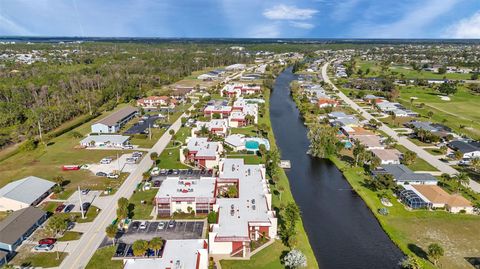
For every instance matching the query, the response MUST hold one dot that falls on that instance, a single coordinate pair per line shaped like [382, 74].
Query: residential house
[214, 126]
[469, 149]
[156, 101]
[246, 218]
[25, 192]
[436, 197]
[113, 122]
[18, 226]
[185, 253]
[404, 176]
[201, 152]
[387, 156]
[105, 141]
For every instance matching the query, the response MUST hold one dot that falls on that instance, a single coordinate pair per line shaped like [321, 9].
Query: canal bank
[341, 229]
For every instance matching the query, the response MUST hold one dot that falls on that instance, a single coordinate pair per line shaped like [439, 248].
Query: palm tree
[156, 244]
[111, 232]
[435, 252]
[462, 179]
[475, 163]
[139, 247]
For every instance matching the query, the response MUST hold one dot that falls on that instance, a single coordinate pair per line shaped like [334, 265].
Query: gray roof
[26, 190]
[118, 116]
[18, 223]
[402, 173]
[464, 147]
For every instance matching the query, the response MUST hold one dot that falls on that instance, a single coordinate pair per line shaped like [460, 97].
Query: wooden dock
[285, 164]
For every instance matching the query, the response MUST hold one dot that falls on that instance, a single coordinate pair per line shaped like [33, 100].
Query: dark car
[135, 225]
[190, 171]
[129, 252]
[156, 183]
[121, 249]
[86, 191]
[210, 172]
[101, 174]
[203, 172]
[69, 208]
[85, 206]
[47, 241]
[59, 209]
[170, 172]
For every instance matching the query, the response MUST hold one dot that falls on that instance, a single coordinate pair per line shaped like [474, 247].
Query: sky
[242, 18]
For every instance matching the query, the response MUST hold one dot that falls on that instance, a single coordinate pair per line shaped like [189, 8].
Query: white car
[155, 171]
[128, 147]
[106, 160]
[143, 225]
[112, 175]
[161, 226]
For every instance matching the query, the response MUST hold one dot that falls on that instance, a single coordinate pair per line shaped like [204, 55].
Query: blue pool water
[251, 145]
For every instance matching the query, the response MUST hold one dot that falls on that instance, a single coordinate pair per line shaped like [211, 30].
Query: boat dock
[285, 164]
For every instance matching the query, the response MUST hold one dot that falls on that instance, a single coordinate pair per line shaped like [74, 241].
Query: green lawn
[146, 142]
[414, 230]
[419, 164]
[248, 131]
[46, 161]
[103, 259]
[248, 158]
[141, 210]
[408, 72]
[170, 157]
[460, 113]
[266, 259]
[40, 259]
[70, 236]
[434, 151]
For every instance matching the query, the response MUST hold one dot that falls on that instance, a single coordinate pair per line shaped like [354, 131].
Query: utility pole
[81, 204]
[149, 131]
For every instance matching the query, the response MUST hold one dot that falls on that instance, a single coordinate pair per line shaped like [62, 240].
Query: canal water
[342, 230]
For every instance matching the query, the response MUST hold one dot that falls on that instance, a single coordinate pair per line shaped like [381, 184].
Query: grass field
[39, 259]
[70, 236]
[141, 211]
[413, 231]
[103, 259]
[270, 256]
[419, 164]
[248, 158]
[460, 113]
[46, 161]
[408, 72]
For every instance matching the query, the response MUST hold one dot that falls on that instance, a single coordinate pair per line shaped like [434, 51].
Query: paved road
[91, 239]
[441, 166]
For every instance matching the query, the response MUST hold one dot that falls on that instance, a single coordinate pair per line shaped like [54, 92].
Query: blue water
[252, 145]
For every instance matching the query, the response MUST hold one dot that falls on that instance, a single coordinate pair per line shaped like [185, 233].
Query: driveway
[119, 164]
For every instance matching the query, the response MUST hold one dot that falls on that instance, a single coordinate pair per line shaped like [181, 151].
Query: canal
[342, 230]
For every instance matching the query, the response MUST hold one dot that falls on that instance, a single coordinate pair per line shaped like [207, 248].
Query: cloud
[302, 25]
[342, 10]
[466, 28]
[284, 12]
[411, 25]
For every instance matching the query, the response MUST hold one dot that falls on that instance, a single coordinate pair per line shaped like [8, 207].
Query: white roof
[235, 140]
[177, 254]
[176, 187]
[202, 146]
[251, 206]
[214, 123]
[114, 139]
[26, 190]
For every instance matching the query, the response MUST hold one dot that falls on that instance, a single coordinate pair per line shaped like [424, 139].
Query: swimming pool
[252, 145]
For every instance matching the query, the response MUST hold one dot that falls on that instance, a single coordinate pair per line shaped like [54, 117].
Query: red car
[59, 208]
[47, 241]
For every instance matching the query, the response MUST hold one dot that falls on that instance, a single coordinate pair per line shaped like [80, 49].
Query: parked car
[175, 172]
[171, 224]
[155, 171]
[106, 160]
[143, 225]
[190, 171]
[112, 175]
[161, 225]
[128, 147]
[47, 241]
[163, 172]
[45, 247]
[59, 208]
[85, 191]
[137, 154]
[101, 174]
[135, 225]
[120, 249]
[70, 225]
[130, 160]
[85, 206]
[156, 183]
[69, 208]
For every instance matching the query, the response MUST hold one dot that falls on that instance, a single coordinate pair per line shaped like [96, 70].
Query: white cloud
[466, 28]
[302, 25]
[411, 25]
[284, 12]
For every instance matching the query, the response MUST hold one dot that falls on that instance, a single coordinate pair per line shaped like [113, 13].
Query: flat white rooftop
[176, 187]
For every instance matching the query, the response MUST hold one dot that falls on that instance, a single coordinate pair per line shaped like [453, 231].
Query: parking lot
[75, 200]
[181, 230]
[119, 164]
[141, 127]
